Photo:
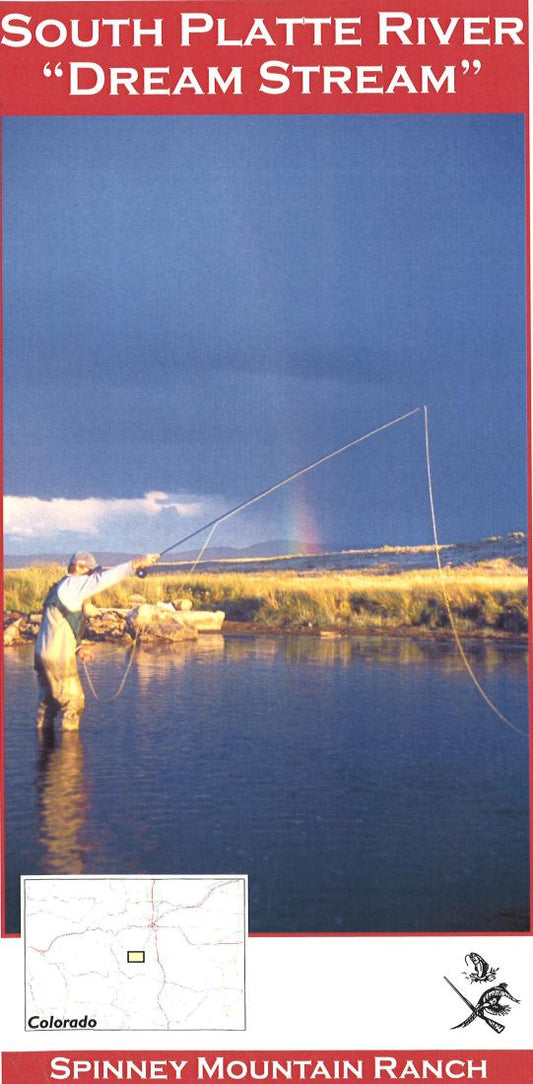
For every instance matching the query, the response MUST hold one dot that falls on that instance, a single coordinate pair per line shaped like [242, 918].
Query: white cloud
[35, 518]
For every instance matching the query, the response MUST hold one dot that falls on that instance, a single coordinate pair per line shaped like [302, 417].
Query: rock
[182, 604]
[157, 624]
[203, 620]
[152, 624]
[106, 625]
[30, 626]
[166, 631]
[12, 633]
[20, 628]
[10, 616]
[141, 615]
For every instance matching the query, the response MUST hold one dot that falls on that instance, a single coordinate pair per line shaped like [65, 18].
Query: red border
[503, 1066]
[24, 91]
[529, 393]
[2, 691]
[500, 86]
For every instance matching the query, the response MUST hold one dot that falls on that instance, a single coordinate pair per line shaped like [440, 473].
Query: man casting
[58, 642]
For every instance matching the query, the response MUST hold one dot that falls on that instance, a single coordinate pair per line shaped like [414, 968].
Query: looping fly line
[214, 523]
[140, 630]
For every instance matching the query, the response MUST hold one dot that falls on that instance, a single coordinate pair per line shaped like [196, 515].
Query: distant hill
[275, 548]
[38, 559]
[278, 554]
[383, 559]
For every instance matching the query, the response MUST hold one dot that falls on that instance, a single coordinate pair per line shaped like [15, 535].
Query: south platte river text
[396, 28]
[275, 77]
[378, 1067]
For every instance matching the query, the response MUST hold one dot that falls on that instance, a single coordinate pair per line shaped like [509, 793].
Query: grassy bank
[490, 598]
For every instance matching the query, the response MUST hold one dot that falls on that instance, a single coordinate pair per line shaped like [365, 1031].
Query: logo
[492, 1003]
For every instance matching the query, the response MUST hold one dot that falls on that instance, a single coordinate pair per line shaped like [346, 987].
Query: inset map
[134, 953]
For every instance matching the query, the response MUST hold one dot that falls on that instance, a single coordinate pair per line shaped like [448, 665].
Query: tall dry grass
[25, 588]
[491, 597]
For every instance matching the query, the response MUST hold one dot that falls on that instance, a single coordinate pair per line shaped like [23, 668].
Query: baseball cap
[82, 557]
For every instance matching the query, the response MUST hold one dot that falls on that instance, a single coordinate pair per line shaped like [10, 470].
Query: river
[361, 783]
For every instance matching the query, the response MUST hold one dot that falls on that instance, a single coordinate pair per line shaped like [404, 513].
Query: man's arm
[76, 589]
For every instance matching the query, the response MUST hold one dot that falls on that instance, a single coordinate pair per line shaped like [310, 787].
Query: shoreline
[330, 633]
[488, 601]
[238, 628]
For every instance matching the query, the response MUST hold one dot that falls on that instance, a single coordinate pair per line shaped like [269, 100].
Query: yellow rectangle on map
[135, 957]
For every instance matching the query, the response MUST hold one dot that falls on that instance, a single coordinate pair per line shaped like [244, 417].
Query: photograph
[266, 512]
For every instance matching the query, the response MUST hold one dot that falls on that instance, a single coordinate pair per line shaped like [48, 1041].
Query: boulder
[12, 632]
[203, 620]
[20, 628]
[154, 624]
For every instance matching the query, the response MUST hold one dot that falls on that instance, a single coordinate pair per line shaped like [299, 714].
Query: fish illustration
[482, 972]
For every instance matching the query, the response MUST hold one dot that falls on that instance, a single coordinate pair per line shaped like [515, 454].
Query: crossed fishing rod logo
[491, 1001]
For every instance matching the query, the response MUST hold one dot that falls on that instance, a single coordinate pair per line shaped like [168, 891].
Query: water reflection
[403, 651]
[338, 773]
[487, 655]
[62, 800]
[154, 661]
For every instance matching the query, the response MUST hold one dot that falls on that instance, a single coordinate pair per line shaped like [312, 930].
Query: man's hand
[84, 654]
[145, 560]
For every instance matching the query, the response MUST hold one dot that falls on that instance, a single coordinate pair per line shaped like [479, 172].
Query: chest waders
[75, 618]
[60, 689]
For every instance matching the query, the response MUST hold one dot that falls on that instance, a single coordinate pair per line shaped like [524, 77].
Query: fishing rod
[212, 524]
[141, 573]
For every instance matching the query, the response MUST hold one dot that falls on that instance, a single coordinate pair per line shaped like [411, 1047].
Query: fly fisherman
[60, 689]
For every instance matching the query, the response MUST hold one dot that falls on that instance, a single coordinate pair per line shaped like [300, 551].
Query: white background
[323, 993]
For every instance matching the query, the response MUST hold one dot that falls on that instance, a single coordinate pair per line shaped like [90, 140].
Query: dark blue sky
[197, 306]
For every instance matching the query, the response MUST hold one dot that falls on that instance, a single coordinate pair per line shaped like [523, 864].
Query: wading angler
[58, 642]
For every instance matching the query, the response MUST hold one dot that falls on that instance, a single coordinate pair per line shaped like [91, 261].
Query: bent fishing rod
[283, 482]
[213, 523]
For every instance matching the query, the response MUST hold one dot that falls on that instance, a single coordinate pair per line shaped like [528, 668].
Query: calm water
[361, 784]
